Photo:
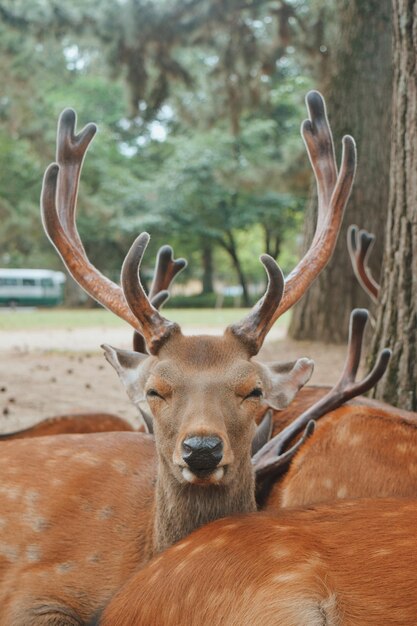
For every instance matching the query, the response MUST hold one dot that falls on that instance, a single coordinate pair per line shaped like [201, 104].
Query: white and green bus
[20, 287]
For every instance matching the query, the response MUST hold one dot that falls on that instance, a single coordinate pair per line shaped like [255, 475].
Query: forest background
[199, 104]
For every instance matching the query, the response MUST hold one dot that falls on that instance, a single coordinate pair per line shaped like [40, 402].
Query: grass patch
[39, 319]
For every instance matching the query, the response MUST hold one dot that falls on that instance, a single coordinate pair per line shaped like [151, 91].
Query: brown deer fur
[77, 511]
[345, 564]
[356, 452]
[74, 424]
[75, 522]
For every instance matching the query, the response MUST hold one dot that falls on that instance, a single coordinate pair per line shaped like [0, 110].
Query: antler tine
[360, 244]
[357, 323]
[333, 193]
[281, 461]
[166, 268]
[155, 328]
[70, 152]
[160, 298]
[318, 139]
[58, 208]
[325, 237]
[253, 328]
[270, 460]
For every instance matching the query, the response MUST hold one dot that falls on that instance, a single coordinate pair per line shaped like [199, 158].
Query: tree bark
[207, 262]
[272, 241]
[358, 102]
[231, 248]
[396, 325]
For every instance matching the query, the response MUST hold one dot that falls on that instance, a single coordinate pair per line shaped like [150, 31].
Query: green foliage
[199, 105]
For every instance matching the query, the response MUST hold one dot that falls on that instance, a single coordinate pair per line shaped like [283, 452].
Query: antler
[166, 269]
[270, 460]
[154, 327]
[360, 244]
[333, 192]
[58, 209]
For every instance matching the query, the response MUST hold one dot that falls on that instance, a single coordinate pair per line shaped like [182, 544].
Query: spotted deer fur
[341, 564]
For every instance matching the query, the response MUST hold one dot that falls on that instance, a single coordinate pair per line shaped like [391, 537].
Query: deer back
[349, 563]
[74, 424]
[74, 522]
[356, 451]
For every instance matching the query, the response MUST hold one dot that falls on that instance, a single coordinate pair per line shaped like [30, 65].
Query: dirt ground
[44, 374]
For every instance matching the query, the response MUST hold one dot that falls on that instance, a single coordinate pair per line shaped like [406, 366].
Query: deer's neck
[180, 509]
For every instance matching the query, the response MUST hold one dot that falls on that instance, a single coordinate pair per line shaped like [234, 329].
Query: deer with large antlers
[204, 393]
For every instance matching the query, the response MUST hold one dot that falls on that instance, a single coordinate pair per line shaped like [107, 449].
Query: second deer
[346, 564]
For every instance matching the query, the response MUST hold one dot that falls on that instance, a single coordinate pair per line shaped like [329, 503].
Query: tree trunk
[207, 262]
[272, 241]
[230, 247]
[396, 325]
[358, 102]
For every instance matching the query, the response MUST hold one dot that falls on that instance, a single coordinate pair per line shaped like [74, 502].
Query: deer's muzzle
[202, 454]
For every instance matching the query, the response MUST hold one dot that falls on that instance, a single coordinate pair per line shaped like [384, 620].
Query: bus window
[47, 282]
[29, 282]
[8, 281]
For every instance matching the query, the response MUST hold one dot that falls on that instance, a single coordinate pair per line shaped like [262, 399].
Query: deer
[356, 451]
[345, 564]
[78, 506]
[178, 372]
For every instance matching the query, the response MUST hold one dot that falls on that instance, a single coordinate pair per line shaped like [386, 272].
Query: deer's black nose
[202, 453]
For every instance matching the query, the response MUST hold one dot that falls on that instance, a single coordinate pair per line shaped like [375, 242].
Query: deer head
[204, 392]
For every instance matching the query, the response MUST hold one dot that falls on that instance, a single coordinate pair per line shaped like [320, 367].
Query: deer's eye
[152, 393]
[255, 393]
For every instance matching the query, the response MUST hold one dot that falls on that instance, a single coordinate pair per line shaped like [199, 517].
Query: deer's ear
[131, 368]
[284, 380]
